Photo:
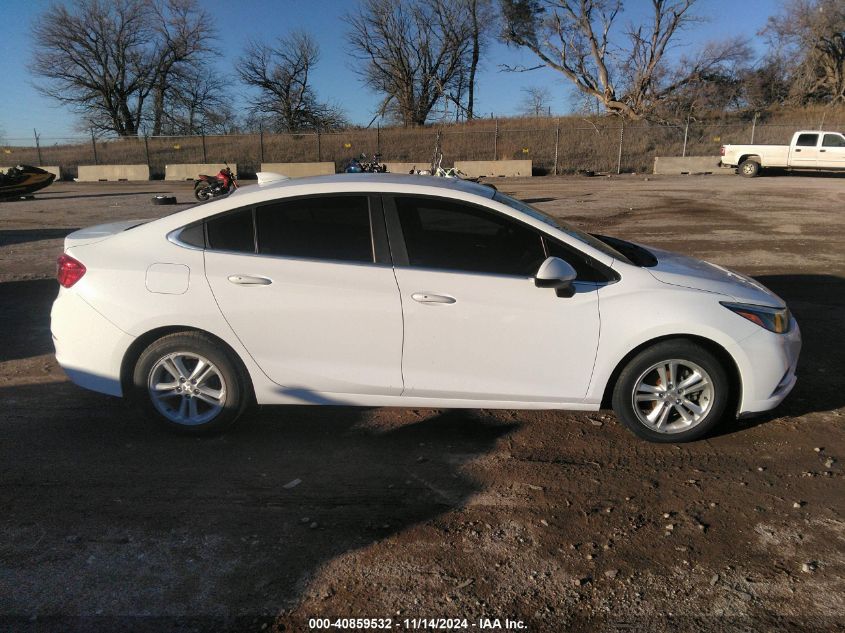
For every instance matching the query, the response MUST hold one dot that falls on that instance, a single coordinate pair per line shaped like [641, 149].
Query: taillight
[68, 270]
[722, 150]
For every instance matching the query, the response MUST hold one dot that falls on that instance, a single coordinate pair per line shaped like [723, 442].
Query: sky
[23, 109]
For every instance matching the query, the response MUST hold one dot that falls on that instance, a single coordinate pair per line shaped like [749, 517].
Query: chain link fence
[556, 146]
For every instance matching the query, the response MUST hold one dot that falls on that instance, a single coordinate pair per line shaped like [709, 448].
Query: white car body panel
[351, 334]
[320, 326]
[501, 339]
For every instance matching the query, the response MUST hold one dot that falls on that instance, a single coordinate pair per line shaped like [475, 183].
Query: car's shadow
[10, 237]
[47, 195]
[102, 511]
[25, 317]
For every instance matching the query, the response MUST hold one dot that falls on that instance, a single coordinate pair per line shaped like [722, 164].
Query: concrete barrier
[53, 169]
[477, 168]
[405, 168]
[189, 171]
[667, 165]
[95, 173]
[299, 170]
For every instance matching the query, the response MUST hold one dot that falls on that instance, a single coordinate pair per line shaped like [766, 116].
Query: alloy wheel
[673, 396]
[186, 388]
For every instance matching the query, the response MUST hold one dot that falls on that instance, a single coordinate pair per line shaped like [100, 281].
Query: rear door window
[833, 140]
[323, 227]
[231, 232]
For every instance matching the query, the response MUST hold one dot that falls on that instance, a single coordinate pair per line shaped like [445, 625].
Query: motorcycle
[207, 187]
[362, 165]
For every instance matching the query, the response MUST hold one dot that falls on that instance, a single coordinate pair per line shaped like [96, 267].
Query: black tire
[159, 200]
[713, 402]
[749, 168]
[202, 191]
[230, 380]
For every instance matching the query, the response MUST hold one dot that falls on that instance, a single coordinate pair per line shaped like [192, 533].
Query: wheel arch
[134, 351]
[713, 347]
[755, 157]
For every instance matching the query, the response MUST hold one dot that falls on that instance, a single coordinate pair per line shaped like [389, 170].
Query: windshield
[579, 235]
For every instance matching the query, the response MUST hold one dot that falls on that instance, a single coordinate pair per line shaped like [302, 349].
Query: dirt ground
[562, 521]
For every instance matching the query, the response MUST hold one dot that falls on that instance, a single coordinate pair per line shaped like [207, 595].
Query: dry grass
[582, 143]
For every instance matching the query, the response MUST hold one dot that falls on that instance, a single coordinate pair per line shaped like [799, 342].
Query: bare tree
[535, 101]
[104, 58]
[196, 105]
[482, 23]
[766, 85]
[811, 35]
[97, 61]
[715, 88]
[413, 53]
[184, 33]
[629, 76]
[282, 74]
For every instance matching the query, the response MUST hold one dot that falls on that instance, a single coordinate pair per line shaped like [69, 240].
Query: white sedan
[410, 291]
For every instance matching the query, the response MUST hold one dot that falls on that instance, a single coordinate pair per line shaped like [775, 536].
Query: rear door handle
[822, 150]
[249, 280]
[427, 297]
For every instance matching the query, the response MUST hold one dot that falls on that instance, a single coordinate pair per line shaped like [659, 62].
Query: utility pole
[94, 146]
[557, 143]
[621, 137]
[261, 142]
[37, 147]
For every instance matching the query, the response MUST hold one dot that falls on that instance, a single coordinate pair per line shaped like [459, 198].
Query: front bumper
[770, 375]
[89, 347]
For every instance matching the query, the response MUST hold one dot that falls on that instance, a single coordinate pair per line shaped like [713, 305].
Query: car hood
[100, 232]
[688, 272]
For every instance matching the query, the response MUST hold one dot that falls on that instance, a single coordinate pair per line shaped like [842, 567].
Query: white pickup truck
[809, 149]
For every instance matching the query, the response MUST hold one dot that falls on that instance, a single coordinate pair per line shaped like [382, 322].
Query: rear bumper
[772, 359]
[89, 347]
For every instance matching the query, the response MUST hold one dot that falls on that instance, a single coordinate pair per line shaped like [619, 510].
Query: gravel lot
[562, 520]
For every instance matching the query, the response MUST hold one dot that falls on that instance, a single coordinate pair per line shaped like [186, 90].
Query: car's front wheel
[189, 384]
[674, 391]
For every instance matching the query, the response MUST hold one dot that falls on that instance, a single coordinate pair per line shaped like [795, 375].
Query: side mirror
[558, 274]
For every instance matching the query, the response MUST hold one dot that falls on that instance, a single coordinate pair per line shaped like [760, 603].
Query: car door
[476, 326]
[832, 152]
[307, 286]
[806, 152]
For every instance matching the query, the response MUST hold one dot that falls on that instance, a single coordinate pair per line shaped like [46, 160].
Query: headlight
[773, 319]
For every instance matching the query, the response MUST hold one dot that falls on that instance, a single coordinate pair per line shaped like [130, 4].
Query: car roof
[367, 182]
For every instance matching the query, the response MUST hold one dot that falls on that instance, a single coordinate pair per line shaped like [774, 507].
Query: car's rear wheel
[749, 168]
[674, 391]
[189, 384]
[202, 191]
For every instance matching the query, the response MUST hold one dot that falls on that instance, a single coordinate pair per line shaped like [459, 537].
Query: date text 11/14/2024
[418, 624]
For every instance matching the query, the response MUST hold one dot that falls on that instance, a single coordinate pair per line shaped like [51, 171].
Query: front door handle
[822, 150]
[427, 297]
[249, 280]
